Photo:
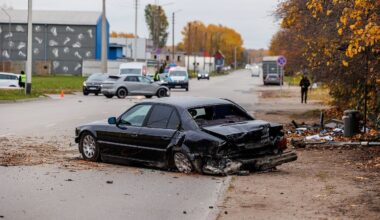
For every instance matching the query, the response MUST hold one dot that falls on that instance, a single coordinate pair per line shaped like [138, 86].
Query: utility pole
[104, 40]
[173, 47]
[136, 11]
[173, 32]
[28, 85]
[235, 58]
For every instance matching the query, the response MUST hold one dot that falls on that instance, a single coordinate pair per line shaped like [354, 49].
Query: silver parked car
[133, 85]
[272, 79]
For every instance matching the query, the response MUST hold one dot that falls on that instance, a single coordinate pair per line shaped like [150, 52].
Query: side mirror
[112, 121]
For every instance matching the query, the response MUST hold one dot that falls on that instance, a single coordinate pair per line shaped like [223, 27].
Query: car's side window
[160, 116]
[174, 121]
[2, 77]
[132, 79]
[144, 79]
[136, 115]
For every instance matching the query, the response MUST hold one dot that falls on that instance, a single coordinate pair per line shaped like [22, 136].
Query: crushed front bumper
[227, 166]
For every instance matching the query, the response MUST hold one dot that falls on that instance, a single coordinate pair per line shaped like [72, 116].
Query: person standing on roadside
[22, 79]
[304, 84]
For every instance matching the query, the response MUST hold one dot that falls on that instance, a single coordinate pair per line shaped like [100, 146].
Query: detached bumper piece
[228, 167]
[268, 162]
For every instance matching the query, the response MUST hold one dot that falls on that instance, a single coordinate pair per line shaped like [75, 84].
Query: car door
[160, 128]
[132, 84]
[122, 140]
[145, 87]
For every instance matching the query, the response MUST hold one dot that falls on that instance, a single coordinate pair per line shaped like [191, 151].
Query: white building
[200, 63]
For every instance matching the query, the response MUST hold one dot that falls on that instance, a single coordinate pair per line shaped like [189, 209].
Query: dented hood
[247, 131]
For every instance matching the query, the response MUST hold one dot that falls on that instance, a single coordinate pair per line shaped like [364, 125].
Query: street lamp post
[173, 42]
[104, 54]
[28, 85]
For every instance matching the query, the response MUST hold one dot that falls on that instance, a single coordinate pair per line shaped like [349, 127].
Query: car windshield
[97, 77]
[130, 71]
[218, 114]
[178, 73]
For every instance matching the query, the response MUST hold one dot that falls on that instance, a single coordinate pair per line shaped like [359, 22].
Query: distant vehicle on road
[203, 74]
[272, 79]
[177, 77]
[270, 66]
[93, 83]
[9, 80]
[255, 71]
[206, 135]
[133, 68]
[248, 66]
[133, 85]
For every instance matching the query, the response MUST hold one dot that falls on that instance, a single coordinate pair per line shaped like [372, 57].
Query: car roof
[177, 68]
[190, 102]
[12, 74]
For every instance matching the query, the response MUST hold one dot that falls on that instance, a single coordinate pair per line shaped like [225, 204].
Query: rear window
[218, 114]
[130, 71]
[273, 76]
[178, 73]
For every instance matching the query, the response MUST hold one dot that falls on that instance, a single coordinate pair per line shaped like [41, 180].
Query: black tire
[198, 78]
[88, 147]
[148, 96]
[187, 89]
[109, 96]
[182, 162]
[208, 78]
[96, 93]
[121, 93]
[85, 93]
[161, 93]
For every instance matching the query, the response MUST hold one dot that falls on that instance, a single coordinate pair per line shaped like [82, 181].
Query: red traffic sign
[281, 61]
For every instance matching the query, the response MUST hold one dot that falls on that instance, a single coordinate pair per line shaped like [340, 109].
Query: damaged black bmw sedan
[206, 135]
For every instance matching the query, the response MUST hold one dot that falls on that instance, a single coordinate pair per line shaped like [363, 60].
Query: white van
[133, 68]
[9, 80]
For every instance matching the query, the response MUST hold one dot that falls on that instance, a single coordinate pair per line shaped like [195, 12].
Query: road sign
[281, 61]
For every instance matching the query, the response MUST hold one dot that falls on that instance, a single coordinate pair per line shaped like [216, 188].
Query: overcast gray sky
[251, 18]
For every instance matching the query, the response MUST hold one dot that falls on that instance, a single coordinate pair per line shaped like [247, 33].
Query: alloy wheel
[89, 146]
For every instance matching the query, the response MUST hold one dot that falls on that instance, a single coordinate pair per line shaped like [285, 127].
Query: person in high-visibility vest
[156, 76]
[22, 79]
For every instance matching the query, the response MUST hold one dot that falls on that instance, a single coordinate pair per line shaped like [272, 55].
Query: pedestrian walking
[304, 84]
[22, 79]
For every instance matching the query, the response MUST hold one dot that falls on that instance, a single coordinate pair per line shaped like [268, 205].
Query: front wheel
[182, 162]
[89, 148]
[187, 89]
[122, 93]
[161, 93]
[148, 96]
[85, 93]
[109, 96]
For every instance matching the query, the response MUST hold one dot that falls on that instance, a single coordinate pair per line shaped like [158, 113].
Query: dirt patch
[323, 184]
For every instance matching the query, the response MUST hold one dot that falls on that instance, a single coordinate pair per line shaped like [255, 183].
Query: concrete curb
[24, 100]
[214, 213]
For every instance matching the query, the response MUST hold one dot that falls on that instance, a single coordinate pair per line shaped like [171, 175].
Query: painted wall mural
[65, 46]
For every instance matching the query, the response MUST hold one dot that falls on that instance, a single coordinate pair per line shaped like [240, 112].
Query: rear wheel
[122, 93]
[148, 96]
[88, 147]
[161, 93]
[182, 162]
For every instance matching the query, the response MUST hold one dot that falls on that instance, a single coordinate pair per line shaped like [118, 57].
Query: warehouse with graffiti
[61, 40]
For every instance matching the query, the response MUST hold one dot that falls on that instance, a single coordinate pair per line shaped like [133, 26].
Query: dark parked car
[207, 135]
[93, 83]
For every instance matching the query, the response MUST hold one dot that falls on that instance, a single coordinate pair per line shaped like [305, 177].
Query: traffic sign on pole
[281, 61]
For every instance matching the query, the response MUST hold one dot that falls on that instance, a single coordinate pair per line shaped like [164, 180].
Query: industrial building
[61, 40]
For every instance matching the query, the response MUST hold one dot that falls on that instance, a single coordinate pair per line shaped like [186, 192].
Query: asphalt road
[43, 192]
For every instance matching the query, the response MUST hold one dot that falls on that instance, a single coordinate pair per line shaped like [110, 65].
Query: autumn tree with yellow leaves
[199, 38]
[336, 42]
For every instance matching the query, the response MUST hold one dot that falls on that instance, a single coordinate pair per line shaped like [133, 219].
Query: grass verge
[45, 85]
